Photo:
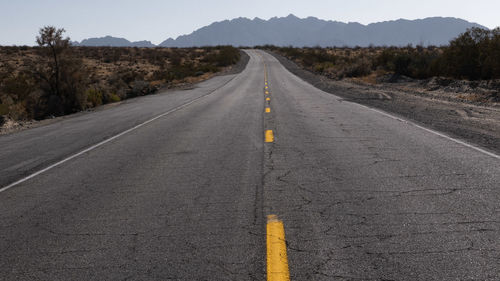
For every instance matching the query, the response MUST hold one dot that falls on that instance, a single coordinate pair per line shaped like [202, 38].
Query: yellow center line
[268, 110]
[267, 92]
[268, 99]
[277, 260]
[269, 136]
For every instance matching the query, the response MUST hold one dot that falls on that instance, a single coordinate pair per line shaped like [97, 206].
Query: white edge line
[106, 141]
[432, 131]
[400, 119]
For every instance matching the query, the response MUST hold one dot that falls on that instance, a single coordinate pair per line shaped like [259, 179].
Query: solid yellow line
[268, 110]
[277, 260]
[269, 136]
[268, 99]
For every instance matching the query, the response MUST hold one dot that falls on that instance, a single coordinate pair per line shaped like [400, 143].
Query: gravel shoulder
[474, 123]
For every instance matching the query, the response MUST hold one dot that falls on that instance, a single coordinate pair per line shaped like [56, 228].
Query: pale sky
[157, 20]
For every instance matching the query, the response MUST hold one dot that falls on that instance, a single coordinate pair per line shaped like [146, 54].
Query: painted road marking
[268, 99]
[269, 136]
[432, 131]
[277, 260]
[268, 110]
[2, 189]
[267, 92]
[267, 87]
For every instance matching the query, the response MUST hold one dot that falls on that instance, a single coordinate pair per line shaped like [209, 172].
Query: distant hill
[308, 32]
[110, 41]
[315, 32]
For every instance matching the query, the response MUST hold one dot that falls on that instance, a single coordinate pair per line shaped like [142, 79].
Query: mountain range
[110, 41]
[308, 32]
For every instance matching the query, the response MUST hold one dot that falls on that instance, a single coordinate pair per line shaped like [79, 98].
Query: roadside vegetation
[55, 78]
[474, 55]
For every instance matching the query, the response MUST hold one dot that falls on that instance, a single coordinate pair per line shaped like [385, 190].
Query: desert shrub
[17, 111]
[94, 97]
[15, 89]
[129, 76]
[462, 57]
[222, 56]
[4, 109]
[140, 88]
[314, 56]
[473, 55]
[159, 74]
[111, 97]
[227, 55]
[207, 68]
[359, 68]
[293, 53]
[74, 81]
[5, 102]
[323, 66]
[179, 72]
[18, 86]
[402, 63]
[176, 59]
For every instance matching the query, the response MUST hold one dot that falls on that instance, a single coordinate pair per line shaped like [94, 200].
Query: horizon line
[263, 19]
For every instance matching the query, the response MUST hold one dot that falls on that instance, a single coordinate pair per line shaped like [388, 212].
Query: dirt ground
[456, 114]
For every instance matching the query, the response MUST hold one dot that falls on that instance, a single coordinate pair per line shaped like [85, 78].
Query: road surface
[179, 186]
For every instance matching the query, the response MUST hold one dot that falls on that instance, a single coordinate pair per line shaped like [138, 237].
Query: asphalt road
[362, 195]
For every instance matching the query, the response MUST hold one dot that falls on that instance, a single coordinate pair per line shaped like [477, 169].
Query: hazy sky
[157, 20]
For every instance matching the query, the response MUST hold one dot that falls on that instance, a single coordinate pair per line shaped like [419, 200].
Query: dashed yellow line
[269, 136]
[277, 260]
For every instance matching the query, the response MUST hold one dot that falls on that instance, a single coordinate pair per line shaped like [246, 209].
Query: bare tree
[52, 38]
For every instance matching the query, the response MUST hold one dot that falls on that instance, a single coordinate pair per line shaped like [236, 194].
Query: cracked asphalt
[367, 197]
[362, 196]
